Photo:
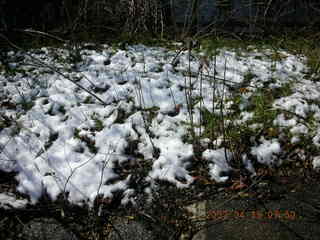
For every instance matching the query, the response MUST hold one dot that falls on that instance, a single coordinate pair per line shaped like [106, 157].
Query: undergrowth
[236, 121]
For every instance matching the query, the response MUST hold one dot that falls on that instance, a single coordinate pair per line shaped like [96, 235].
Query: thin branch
[43, 34]
[54, 69]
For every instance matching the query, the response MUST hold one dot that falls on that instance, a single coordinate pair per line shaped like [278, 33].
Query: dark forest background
[100, 19]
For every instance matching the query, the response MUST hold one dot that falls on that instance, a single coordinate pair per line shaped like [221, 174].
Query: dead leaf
[238, 185]
[243, 194]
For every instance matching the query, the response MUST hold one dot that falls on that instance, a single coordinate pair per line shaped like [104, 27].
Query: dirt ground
[271, 206]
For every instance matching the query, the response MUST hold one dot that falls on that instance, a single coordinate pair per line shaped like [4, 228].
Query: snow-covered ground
[59, 138]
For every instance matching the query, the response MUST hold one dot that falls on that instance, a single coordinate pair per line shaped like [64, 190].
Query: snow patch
[218, 163]
[267, 151]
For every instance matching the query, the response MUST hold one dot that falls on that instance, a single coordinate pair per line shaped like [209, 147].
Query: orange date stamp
[254, 214]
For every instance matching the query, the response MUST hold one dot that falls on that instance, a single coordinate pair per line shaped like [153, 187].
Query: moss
[98, 123]
[248, 76]
[62, 109]
[45, 101]
[15, 129]
[87, 140]
[52, 137]
[88, 100]
[27, 105]
[92, 148]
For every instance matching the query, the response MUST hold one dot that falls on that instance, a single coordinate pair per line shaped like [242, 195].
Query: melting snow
[219, 163]
[8, 201]
[267, 151]
[61, 139]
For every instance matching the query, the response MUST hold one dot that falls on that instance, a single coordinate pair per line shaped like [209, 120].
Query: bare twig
[42, 34]
[54, 69]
